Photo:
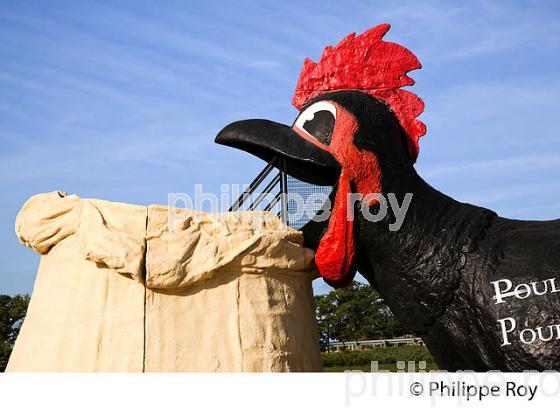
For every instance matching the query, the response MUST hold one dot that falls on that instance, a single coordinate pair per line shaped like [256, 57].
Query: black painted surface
[435, 272]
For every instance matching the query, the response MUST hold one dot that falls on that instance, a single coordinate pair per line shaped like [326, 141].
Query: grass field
[386, 357]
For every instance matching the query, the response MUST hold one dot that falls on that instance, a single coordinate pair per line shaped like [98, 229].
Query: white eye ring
[310, 111]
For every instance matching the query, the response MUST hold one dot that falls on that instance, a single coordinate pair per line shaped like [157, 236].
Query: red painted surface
[369, 64]
[360, 166]
[335, 254]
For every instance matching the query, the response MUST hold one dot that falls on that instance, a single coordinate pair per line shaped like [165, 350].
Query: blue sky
[121, 100]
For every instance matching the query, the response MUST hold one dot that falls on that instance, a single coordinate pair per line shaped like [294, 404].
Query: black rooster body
[436, 271]
[480, 289]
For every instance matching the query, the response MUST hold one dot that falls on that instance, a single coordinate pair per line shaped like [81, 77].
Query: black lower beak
[266, 139]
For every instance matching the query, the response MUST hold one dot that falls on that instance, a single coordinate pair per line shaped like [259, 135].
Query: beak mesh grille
[309, 200]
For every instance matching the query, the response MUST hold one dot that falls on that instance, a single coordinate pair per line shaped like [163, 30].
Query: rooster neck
[418, 267]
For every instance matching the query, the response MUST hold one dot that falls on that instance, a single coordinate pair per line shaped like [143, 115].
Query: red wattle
[335, 253]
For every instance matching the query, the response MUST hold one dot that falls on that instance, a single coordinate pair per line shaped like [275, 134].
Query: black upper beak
[267, 139]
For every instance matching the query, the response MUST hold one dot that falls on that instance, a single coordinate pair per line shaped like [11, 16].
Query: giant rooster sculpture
[478, 288]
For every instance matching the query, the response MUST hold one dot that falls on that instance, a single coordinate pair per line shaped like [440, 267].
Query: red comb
[369, 64]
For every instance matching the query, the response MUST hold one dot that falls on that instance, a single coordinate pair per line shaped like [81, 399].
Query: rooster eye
[318, 121]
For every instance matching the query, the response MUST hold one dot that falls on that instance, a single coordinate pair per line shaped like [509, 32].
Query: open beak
[267, 139]
[302, 159]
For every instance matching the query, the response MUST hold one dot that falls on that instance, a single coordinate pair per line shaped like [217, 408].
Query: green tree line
[355, 313]
[12, 313]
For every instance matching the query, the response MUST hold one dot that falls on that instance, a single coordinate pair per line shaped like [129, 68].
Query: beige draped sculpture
[119, 289]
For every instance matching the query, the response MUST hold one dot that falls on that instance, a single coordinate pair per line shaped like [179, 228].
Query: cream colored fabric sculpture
[118, 289]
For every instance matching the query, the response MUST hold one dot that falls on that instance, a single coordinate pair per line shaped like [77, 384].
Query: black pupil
[321, 126]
